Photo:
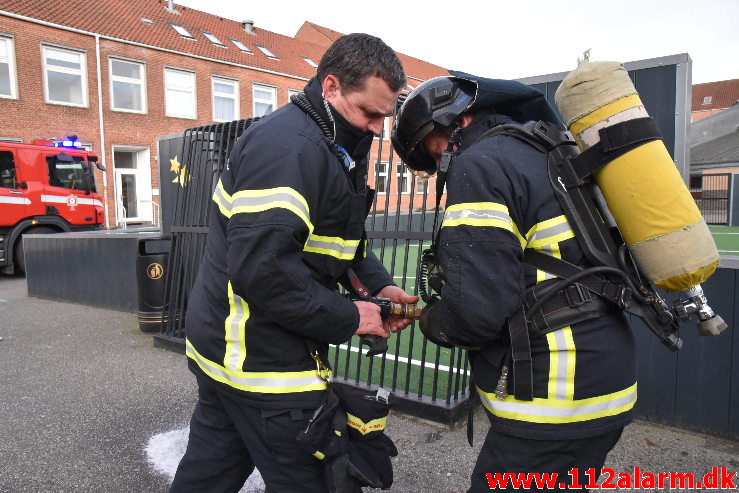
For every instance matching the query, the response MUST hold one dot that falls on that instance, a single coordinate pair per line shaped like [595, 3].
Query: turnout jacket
[500, 202]
[286, 222]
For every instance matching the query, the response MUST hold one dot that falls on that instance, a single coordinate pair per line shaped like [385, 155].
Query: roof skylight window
[213, 39]
[240, 45]
[310, 62]
[264, 50]
[182, 31]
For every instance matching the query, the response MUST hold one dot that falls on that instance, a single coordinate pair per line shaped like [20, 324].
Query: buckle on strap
[576, 294]
[323, 372]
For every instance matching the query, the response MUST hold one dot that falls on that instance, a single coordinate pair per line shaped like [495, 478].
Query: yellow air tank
[653, 208]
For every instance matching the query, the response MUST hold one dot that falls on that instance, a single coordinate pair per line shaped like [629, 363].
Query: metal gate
[428, 381]
[712, 193]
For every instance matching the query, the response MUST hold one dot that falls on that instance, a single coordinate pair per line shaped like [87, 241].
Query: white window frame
[241, 46]
[117, 78]
[309, 61]
[262, 87]
[167, 110]
[402, 178]
[421, 184]
[707, 99]
[179, 29]
[235, 96]
[213, 39]
[381, 172]
[266, 52]
[290, 93]
[82, 72]
[12, 72]
[385, 130]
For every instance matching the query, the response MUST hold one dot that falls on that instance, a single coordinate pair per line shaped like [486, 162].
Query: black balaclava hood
[356, 142]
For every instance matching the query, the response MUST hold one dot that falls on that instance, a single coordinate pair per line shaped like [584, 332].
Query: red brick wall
[33, 118]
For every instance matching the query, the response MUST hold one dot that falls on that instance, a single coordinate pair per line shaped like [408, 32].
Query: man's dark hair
[355, 57]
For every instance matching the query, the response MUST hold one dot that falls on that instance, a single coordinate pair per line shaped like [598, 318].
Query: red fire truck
[45, 187]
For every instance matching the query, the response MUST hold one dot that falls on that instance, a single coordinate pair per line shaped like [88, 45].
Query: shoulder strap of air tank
[615, 141]
[541, 135]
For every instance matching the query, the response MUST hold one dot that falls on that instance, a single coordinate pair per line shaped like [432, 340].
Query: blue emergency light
[70, 141]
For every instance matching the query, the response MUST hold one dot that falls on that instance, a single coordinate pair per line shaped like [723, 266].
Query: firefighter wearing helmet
[558, 390]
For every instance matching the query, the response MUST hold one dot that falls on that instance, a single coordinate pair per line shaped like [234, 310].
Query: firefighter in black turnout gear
[560, 388]
[286, 223]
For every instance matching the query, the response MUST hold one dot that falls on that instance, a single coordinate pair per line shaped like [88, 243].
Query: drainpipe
[102, 130]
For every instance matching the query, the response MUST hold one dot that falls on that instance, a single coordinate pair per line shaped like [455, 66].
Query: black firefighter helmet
[438, 102]
[435, 103]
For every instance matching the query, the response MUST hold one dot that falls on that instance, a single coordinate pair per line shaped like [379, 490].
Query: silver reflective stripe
[336, 247]
[259, 203]
[15, 200]
[59, 199]
[597, 409]
[263, 382]
[562, 355]
[236, 331]
[544, 234]
[250, 201]
[540, 274]
[456, 215]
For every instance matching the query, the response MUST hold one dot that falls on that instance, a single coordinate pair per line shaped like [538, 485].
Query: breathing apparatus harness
[580, 294]
[430, 273]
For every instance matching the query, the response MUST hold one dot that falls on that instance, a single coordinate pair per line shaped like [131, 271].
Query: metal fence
[203, 154]
[428, 381]
[712, 193]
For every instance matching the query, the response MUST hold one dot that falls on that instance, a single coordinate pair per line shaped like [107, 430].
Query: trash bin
[151, 274]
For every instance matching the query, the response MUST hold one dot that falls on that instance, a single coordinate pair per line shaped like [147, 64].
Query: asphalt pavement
[83, 391]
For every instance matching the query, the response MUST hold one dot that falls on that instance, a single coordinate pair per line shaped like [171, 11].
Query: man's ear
[331, 87]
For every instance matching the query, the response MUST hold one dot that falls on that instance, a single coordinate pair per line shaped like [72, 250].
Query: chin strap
[446, 161]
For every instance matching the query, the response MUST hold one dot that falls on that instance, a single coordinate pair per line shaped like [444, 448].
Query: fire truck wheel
[20, 258]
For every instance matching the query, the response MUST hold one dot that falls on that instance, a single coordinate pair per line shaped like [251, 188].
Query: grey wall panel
[694, 388]
[95, 269]
[704, 364]
[658, 91]
[657, 366]
[733, 426]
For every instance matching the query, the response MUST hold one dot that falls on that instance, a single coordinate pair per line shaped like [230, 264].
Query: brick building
[713, 97]
[120, 73]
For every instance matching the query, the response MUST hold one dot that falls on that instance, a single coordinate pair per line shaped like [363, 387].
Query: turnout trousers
[509, 454]
[229, 438]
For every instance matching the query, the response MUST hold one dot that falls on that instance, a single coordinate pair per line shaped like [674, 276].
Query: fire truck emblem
[155, 271]
[72, 202]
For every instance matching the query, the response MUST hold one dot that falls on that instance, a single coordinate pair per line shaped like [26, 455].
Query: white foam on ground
[165, 450]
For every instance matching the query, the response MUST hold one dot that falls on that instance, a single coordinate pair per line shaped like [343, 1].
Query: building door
[132, 185]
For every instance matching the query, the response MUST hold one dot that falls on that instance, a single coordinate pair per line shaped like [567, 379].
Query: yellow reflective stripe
[235, 328]
[249, 201]
[364, 428]
[560, 411]
[481, 214]
[258, 381]
[319, 455]
[549, 232]
[332, 245]
[562, 359]
[552, 250]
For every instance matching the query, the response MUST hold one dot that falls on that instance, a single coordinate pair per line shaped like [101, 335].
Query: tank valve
[709, 323]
